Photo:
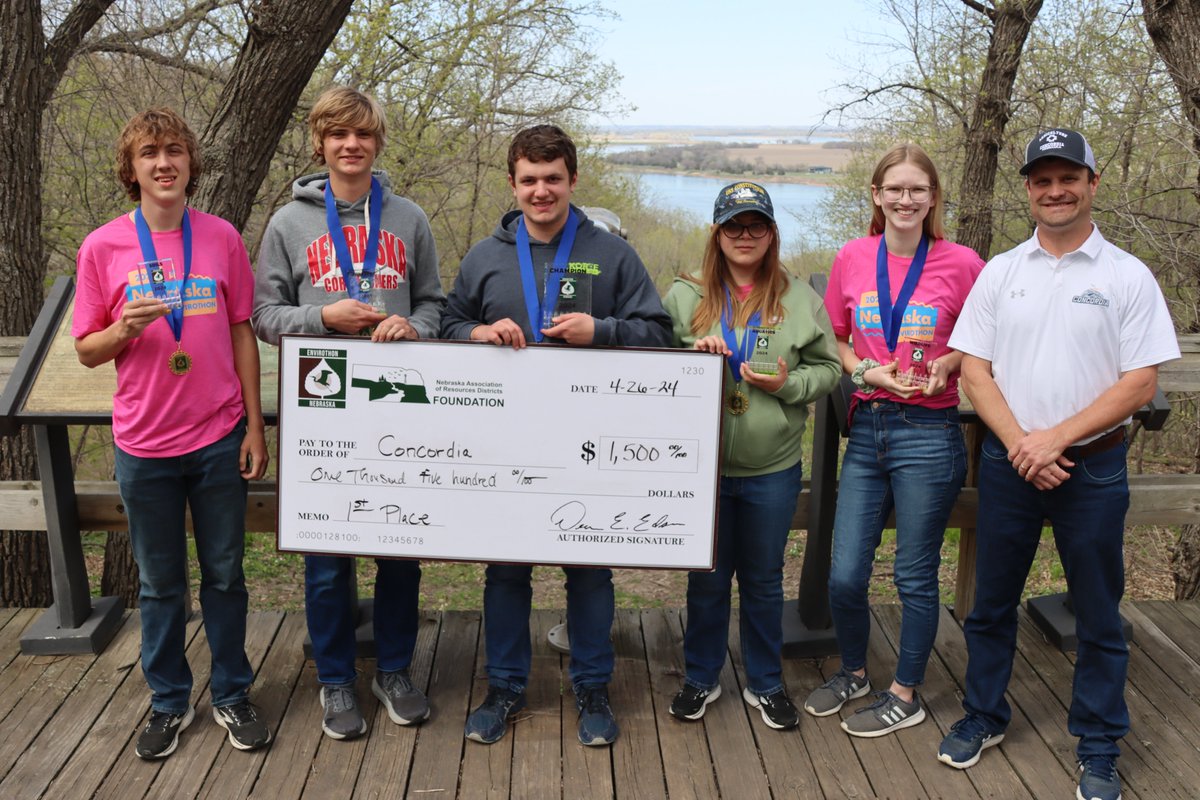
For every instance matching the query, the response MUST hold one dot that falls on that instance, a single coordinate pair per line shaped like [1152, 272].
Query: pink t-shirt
[157, 414]
[853, 306]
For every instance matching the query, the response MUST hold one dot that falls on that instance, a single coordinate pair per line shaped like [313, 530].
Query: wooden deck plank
[538, 743]
[1021, 759]
[234, 773]
[684, 747]
[335, 766]
[287, 765]
[486, 769]
[736, 732]
[389, 751]
[66, 727]
[636, 770]
[1178, 667]
[1175, 621]
[439, 750]
[942, 708]
[109, 744]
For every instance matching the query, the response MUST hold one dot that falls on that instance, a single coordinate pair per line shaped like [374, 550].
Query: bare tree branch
[153, 56]
[82, 18]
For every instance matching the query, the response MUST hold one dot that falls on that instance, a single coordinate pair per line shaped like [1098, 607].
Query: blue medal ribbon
[525, 258]
[146, 242]
[892, 317]
[741, 350]
[341, 247]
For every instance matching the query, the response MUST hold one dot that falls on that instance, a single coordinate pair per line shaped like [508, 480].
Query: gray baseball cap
[1059, 143]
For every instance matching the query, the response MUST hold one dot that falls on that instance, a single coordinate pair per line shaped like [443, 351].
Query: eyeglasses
[918, 194]
[734, 230]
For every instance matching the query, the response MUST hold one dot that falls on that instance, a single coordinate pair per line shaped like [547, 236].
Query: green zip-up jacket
[767, 438]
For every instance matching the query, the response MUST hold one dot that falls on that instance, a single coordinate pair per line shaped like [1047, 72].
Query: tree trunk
[283, 46]
[1011, 22]
[31, 67]
[120, 576]
[1174, 27]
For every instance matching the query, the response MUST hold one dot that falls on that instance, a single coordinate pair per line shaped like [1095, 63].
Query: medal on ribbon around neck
[179, 363]
[738, 403]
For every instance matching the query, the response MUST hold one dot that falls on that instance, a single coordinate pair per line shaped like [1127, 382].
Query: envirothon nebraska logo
[322, 378]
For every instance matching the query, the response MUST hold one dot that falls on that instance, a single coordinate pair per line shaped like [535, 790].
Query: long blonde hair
[909, 153]
[715, 278]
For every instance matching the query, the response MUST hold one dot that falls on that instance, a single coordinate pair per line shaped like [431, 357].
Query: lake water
[797, 205]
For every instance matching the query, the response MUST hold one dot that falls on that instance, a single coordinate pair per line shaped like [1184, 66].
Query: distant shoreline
[827, 180]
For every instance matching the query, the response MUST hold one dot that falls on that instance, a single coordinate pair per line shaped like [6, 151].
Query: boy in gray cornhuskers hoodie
[301, 287]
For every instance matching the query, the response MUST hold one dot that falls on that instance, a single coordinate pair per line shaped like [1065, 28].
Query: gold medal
[180, 363]
[737, 403]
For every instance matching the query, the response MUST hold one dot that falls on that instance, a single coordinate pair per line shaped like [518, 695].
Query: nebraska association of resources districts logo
[389, 384]
[322, 378]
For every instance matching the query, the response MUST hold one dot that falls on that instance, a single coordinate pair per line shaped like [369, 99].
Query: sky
[755, 62]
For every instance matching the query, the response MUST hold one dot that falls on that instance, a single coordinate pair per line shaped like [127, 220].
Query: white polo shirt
[1060, 331]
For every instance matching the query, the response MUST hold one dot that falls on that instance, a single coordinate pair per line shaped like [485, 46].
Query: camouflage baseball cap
[742, 196]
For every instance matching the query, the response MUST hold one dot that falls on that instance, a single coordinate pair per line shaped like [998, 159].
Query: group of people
[1055, 342]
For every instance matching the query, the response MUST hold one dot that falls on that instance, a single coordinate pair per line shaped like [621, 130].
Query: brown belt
[1106, 442]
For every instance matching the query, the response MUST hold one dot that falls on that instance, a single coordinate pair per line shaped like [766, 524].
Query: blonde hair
[909, 153]
[343, 107]
[158, 125]
[715, 279]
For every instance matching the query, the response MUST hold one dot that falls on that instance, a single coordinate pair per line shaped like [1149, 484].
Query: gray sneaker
[829, 697]
[405, 703]
[888, 713]
[342, 719]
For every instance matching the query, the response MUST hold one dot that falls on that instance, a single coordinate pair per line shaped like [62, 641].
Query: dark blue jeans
[507, 600]
[912, 460]
[754, 518]
[1087, 513]
[156, 493]
[329, 608]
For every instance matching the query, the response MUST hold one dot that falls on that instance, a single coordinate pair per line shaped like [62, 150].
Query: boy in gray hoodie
[349, 256]
[599, 293]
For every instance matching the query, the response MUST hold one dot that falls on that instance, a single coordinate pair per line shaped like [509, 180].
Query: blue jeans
[1087, 513]
[754, 518]
[909, 459]
[507, 599]
[156, 492]
[330, 609]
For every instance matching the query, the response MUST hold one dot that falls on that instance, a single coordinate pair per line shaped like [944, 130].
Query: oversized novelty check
[458, 451]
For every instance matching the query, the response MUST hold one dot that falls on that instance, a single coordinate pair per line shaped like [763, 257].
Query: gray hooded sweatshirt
[298, 272]
[623, 299]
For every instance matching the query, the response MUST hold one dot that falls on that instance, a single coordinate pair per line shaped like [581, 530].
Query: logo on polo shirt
[1092, 297]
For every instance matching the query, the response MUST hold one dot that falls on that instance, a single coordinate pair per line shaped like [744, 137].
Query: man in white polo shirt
[1063, 336]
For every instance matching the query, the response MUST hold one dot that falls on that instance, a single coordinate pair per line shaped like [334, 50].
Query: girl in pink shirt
[893, 298]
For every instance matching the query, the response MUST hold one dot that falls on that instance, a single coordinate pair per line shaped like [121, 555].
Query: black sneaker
[966, 741]
[161, 734]
[246, 730]
[691, 702]
[1098, 779]
[597, 725]
[405, 703]
[777, 708]
[487, 723]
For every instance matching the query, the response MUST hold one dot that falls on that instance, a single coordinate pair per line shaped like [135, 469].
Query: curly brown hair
[157, 125]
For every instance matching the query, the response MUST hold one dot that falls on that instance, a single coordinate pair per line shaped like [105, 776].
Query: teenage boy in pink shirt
[166, 292]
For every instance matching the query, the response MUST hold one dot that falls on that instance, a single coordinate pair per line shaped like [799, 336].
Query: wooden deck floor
[68, 723]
